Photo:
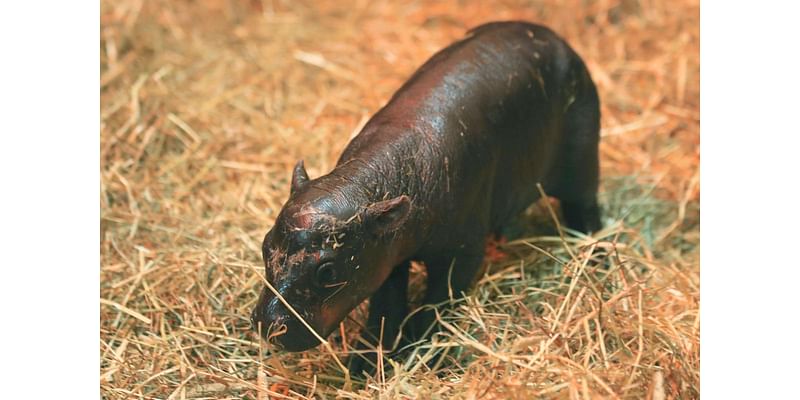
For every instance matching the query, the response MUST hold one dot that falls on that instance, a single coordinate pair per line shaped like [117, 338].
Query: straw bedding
[205, 107]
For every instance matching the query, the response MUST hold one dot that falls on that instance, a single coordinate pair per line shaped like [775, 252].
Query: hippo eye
[326, 274]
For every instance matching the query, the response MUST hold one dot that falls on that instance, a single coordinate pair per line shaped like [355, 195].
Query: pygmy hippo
[454, 155]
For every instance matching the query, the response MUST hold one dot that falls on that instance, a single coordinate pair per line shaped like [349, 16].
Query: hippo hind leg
[583, 217]
[578, 168]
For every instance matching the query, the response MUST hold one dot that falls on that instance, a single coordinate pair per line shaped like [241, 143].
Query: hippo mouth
[276, 325]
[289, 335]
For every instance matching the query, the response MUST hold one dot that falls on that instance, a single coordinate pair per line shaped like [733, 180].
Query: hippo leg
[461, 270]
[582, 216]
[446, 276]
[388, 306]
[577, 177]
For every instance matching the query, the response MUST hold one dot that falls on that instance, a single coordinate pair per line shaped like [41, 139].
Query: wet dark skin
[454, 156]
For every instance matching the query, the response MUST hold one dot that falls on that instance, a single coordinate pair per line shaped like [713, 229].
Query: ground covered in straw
[206, 105]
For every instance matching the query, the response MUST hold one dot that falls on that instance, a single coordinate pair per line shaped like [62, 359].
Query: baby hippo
[453, 156]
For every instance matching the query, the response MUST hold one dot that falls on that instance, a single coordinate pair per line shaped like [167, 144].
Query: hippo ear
[388, 215]
[299, 177]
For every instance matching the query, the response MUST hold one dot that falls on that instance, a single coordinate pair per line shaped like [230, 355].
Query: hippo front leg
[387, 307]
[446, 275]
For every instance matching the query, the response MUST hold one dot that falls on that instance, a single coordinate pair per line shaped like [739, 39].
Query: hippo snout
[277, 325]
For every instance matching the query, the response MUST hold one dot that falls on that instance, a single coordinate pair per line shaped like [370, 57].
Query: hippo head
[326, 253]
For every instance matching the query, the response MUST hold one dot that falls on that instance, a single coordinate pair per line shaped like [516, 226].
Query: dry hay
[206, 105]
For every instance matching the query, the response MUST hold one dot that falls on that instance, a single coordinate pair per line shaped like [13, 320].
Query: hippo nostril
[277, 329]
